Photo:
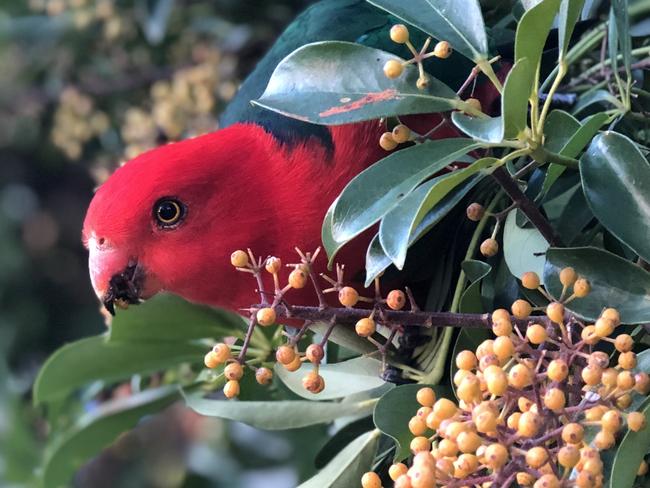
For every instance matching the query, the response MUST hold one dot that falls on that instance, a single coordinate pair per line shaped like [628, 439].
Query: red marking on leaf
[361, 102]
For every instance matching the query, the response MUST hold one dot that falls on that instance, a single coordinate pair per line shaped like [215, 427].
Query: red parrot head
[169, 219]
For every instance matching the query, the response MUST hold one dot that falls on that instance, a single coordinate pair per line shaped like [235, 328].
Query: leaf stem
[485, 66]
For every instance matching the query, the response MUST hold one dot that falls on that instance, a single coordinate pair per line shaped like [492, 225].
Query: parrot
[168, 219]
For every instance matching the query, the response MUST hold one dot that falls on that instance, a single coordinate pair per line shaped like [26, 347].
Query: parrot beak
[116, 277]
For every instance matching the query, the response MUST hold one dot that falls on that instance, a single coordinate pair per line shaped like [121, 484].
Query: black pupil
[167, 211]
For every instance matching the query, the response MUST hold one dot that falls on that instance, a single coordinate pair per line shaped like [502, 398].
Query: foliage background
[85, 84]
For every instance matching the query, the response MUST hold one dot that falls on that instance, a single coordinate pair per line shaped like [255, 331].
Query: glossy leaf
[532, 31]
[399, 224]
[475, 271]
[377, 260]
[167, 317]
[395, 409]
[376, 190]
[331, 245]
[459, 23]
[276, 415]
[615, 282]
[336, 82]
[95, 358]
[594, 97]
[569, 14]
[575, 143]
[619, 35]
[341, 379]
[523, 248]
[346, 469]
[514, 109]
[629, 453]
[342, 438]
[96, 430]
[613, 169]
[559, 127]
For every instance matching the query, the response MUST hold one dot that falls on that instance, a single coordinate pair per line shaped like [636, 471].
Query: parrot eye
[168, 212]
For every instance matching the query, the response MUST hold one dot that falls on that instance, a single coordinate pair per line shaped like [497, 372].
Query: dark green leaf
[399, 224]
[376, 190]
[523, 249]
[395, 409]
[96, 430]
[459, 23]
[619, 35]
[341, 379]
[342, 438]
[167, 317]
[532, 31]
[471, 301]
[514, 109]
[558, 129]
[341, 82]
[629, 454]
[95, 358]
[346, 469]
[615, 282]
[331, 245]
[377, 260]
[569, 14]
[616, 182]
[277, 415]
[594, 97]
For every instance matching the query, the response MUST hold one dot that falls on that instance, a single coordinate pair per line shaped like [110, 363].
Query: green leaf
[342, 438]
[341, 379]
[575, 143]
[398, 225]
[616, 181]
[569, 14]
[95, 358]
[347, 468]
[471, 301]
[336, 82]
[459, 23]
[558, 129]
[377, 260]
[514, 109]
[376, 190]
[167, 317]
[619, 35]
[394, 410]
[276, 415]
[615, 282]
[532, 31]
[96, 430]
[629, 454]
[331, 245]
[593, 97]
[523, 249]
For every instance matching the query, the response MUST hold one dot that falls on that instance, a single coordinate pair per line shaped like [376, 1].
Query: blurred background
[85, 85]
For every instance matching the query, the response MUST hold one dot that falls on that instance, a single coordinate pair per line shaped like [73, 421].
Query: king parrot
[169, 219]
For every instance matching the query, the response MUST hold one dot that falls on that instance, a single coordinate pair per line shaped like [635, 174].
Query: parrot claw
[124, 288]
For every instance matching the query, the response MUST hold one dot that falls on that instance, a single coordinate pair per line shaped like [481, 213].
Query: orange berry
[513, 420]
[403, 482]
[396, 299]
[496, 380]
[393, 68]
[536, 457]
[233, 371]
[612, 314]
[442, 50]
[611, 421]
[469, 389]
[273, 265]
[568, 276]
[598, 358]
[636, 421]
[486, 422]
[447, 448]
[239, 259]
[420, 443]
[581, 288]
[524, 404]
[422, 476]
[502, 327]
[314, 353]
[604, 440]
[521, 309]
[348, 296]
[557, 370]
[627, 360]
[589, 335]
[547, 481]
[642, 383]
[504, 348]
[554, 399]
[211, 360]
[568, 456]
[624, 401]
[426, 396]
[529, 424]
[475, 212]
[555, 312]
[466, 360]
[468, 441]
[265, 316]
[525, 479]
[401, 133]
[530, 280]
[365, 327]
[397, 470]
[399, 33]
[604, 327]
[519, 376]
[643, 468]
[370, 480]
[496, 456]
[222, 351]
[625, 380]
[387, 142]
[536, 334]
[285, 354]
[573, 433]
[294, 365]
[609, 377]
[624, 343]
[489, 247]
[263, 376]
[444, 408]
[298, 278]
[591, 375]
[231, 389]
[313, 382]
[485, 348]
[417, 425]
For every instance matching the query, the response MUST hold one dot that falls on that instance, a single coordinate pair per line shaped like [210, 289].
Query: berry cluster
[527, 403]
